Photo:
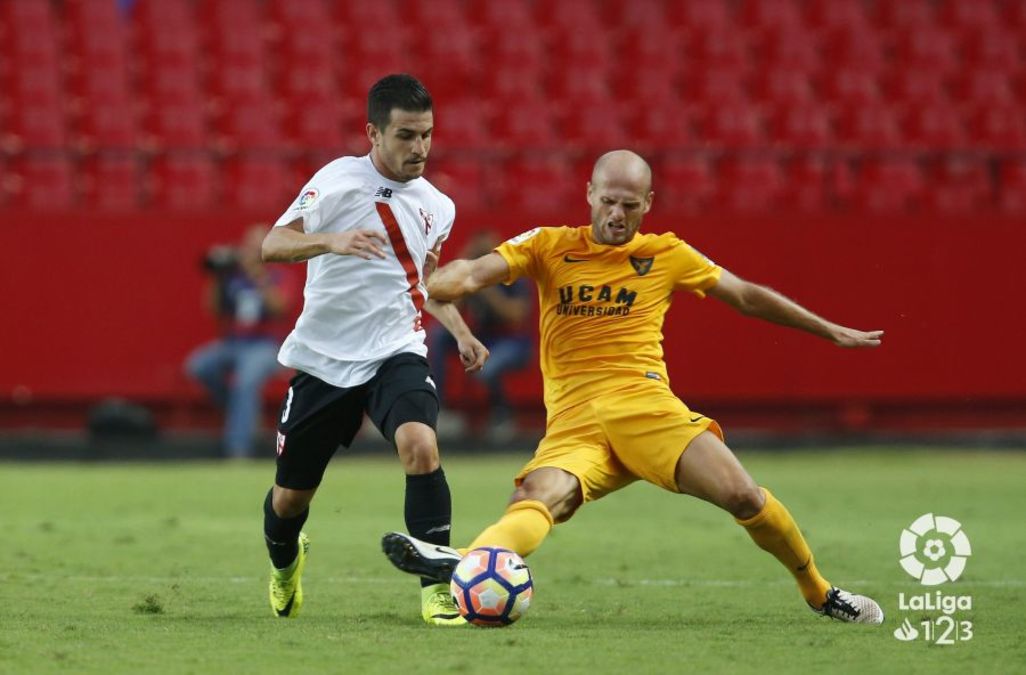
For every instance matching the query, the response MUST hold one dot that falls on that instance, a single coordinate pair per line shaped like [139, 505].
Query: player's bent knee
[558, 490]
[289, 503]
[744, 500]
[417, 448]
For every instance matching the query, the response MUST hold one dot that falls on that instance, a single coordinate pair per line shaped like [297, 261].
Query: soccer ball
[492, 586]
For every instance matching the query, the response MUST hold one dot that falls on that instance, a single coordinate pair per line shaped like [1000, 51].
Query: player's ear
[648, 201]
[590, 194]
[373, 135]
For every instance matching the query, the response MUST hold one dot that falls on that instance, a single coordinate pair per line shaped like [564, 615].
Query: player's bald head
[623, 167]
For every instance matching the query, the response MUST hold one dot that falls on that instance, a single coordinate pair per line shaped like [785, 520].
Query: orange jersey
[602, 307]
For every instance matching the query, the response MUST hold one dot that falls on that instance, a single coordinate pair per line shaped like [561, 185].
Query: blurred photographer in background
[500, 317]
[251, 302]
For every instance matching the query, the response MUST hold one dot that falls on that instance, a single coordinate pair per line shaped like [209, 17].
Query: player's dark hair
[396, 91]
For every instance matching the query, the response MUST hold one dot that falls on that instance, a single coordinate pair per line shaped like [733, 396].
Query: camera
[221, 260]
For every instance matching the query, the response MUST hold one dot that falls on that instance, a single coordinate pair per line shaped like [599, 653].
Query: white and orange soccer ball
[492, 586]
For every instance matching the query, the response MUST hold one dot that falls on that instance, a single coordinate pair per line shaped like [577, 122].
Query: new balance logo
[384, 193]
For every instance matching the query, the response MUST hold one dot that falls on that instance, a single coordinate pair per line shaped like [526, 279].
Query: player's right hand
[362, 243]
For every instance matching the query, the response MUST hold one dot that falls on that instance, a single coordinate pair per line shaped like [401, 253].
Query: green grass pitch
[162, 569]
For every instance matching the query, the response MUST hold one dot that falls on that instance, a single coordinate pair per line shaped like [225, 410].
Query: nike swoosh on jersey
[568, 259]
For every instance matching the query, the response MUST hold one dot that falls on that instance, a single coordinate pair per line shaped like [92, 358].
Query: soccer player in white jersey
[371, 228]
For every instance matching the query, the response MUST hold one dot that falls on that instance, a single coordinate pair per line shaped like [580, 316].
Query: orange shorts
[616, 438]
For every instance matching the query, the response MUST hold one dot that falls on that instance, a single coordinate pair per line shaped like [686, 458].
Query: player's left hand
[854, 339]
[473, 354]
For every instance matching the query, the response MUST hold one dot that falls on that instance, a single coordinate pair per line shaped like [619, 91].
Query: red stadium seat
[1015, 14]
[356, 14]
[185, 182]
[850, 87]
[850, 49]
[107, 124]
[993, 49]
[111, 182]
[937, 127]
[464, 180]
[959, 185]
[998, 128]
[502, 50]
[1012, 198]
[543, 184]
[916, 87]
[177, 125]
[973, 14]
[259, 184]
[806, 188]
[790, 51]
[319, 123]
[715, 87]
[600, 128]
[45, 183]
[581, 87]
[984, 87]
[450, 61]
[463, 125]
[837, 13]
[527, 125]
[700, 15]
[927, 48]
[772, 14]
[905, 14]
[751, 185]
[516, 17]
[571, 16]
[733, 126]
[684, 185]
[800, 126]
[658, 127]
[254, 126]
[890, 186]
[783, 86]
[300, 14]
[869, 128]
[513, 85]
[658, 53]
[635, 15]
[724, 49]
[35, 129]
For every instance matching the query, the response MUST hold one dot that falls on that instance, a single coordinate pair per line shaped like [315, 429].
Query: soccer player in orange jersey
[612, 418]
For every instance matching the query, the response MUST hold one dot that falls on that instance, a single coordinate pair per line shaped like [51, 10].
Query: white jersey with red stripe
[356, 312]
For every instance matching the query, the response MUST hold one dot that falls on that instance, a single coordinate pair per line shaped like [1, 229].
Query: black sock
[282, 534]
[429, 509]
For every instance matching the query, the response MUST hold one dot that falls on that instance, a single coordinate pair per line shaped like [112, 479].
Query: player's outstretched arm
[463, 277]
[473, 353]
[765, 303]
[291, 244]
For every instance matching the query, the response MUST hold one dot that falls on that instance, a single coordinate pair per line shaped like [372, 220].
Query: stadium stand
[140, 101]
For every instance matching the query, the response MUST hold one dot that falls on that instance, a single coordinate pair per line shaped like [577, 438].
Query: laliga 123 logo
[934, 549]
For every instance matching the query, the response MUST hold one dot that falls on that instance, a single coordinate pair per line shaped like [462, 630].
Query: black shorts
[317, 417]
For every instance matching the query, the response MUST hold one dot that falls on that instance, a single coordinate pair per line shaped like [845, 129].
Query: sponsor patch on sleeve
[523, 236]
[307, 199]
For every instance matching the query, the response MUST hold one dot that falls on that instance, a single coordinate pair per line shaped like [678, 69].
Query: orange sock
[522, 528]
[774, 530]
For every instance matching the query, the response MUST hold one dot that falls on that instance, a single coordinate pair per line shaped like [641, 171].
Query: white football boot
[849, 607]
[431, 561]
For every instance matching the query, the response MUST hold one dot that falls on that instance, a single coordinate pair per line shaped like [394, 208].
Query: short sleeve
[316, 206]
[691, 270]
[521, 253]
[445, 226]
